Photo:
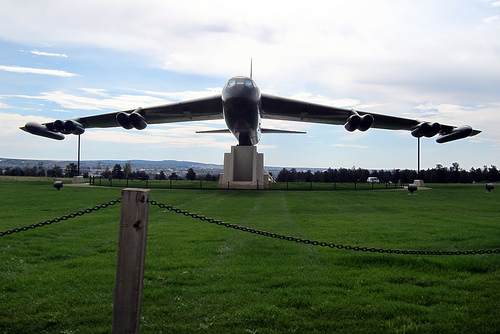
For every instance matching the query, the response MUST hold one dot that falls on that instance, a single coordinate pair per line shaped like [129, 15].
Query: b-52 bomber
[243, 106]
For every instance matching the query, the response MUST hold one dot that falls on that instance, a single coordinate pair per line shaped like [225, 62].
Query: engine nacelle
[59, 125]
[41, 130]
[356, 122]
[366, 122]
[352, 123]
[124, 120]
[74, 127]
[138, 121]
[426, 129]
[457, 133]
[133, 120]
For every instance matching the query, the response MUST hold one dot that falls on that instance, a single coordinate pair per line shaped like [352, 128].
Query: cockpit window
[241, 81]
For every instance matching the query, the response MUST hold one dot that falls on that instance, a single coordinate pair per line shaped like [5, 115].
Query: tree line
[439, 174]
[117, 172]
[126, 173]
[39, 170]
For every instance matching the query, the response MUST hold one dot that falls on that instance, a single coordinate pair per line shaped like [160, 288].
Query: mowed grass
[204, 278]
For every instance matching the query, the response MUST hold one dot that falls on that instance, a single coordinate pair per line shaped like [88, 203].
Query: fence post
[130, 261]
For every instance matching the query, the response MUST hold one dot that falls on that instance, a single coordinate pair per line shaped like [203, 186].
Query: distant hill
[150, 166]
[86, 165]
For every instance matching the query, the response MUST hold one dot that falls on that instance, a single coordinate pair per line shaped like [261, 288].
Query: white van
[373, 179]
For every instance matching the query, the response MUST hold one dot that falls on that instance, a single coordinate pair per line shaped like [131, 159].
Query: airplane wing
[202, 109]
[274, 107]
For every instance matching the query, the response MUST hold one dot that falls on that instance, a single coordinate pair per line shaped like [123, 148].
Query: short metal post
[130, 262]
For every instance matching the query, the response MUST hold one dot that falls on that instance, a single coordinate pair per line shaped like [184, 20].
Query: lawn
[201, 277]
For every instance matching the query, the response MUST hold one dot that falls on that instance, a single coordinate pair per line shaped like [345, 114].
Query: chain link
[66, 217]
[318, 243]
[254, 231]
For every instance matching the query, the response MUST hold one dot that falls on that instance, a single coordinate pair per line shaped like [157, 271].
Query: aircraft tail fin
[251, 60]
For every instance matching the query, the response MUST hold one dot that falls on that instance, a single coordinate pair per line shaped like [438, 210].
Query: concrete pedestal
[419, 183]
[78, 179]
[244, 169]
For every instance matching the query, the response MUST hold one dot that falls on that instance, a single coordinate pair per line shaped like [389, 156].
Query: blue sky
[429, 60]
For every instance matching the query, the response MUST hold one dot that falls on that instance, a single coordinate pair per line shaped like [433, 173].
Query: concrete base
[78, 179]
[244, 169]
[419, 183]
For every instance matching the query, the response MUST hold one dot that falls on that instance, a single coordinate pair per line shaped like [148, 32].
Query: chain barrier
[255, 231]
[318, 243]
[66, 217]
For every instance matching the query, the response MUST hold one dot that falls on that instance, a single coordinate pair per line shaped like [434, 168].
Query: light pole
[418, 158]
[79, 155]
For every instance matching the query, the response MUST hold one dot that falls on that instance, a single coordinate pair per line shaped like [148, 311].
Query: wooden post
[130, 262]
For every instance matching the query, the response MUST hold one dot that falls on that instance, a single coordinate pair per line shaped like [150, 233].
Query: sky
[430, 60]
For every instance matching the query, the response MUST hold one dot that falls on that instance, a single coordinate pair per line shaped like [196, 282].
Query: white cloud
[187, 95]
[330, 47]
[49, 54]
[286, 125]
[106, 100]
[491, 19]
[19, 69]
[168, 135]
[11, 122]
[118, 102]
[95, 91]
[340, 103]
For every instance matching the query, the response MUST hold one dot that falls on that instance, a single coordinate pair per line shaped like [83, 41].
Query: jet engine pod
[124, 120]
[366, 122]
[426, 129]
[74, 127]
[352, 123]
[60, 126]
[434, 129]
[457, 133]
[41, 130]
[138, 121]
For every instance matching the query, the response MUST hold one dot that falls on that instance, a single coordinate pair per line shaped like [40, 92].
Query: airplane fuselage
[241, 105]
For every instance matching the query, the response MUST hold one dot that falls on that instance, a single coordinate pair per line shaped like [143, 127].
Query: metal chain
[66, 217]
[318, 243]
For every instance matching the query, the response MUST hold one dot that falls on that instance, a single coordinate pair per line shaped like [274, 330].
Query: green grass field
[203, 278]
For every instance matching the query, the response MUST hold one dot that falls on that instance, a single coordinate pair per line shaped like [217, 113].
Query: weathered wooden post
[130, 262]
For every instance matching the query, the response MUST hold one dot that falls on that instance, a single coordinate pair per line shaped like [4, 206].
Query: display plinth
[244, 169]
[78, 179]
[419, 183]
